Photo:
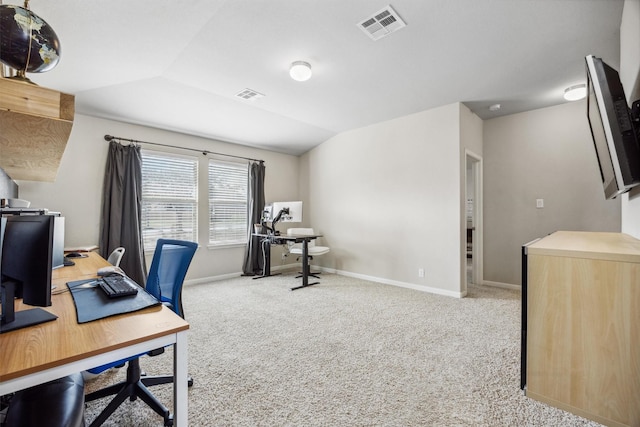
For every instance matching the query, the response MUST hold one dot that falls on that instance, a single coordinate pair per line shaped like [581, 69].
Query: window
[228, 195]
[169, 198]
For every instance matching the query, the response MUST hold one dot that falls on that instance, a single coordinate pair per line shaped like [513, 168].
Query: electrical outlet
[421, 272]
[539, 203]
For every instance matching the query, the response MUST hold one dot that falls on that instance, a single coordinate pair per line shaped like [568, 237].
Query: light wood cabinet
[583, 325]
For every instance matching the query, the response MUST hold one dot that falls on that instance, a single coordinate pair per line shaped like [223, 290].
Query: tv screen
[612, 129]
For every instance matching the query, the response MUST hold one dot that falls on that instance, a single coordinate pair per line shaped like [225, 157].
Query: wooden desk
[51, 350]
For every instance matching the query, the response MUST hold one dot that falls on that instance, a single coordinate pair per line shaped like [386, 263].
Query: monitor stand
[12, 320]
[25, 318]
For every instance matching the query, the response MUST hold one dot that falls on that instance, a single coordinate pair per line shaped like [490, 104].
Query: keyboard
[117, 286]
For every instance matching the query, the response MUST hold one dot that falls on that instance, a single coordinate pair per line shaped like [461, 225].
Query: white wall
[388, 199]
[630, 77]
[542, 154]
[470, 131]
[548, 154]
[77, 190]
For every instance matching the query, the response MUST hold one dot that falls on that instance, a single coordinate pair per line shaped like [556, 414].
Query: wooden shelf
[35, 124]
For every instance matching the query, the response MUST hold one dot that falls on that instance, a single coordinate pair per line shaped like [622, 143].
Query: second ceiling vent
[249, 94]
[382, 23]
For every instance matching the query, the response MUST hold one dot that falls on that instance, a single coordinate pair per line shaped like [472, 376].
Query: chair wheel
[190, 382]
[168, 421]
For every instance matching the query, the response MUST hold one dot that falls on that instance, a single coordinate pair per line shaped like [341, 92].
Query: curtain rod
[204, 152]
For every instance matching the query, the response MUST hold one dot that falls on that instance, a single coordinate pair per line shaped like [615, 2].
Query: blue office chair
[169, 266]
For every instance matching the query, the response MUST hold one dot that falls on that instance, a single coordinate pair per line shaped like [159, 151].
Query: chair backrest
[116, 256]
[300, 232]
[171, 260]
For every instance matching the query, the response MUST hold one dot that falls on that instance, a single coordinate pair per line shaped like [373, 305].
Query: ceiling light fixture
[576, 92]
[300, 71]
[495, 107]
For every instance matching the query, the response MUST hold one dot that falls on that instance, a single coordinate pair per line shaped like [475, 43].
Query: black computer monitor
[25, 269]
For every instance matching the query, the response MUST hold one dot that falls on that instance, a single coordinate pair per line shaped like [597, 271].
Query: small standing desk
[51, 350]
[270, 239]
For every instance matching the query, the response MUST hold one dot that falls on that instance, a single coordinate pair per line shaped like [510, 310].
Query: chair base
[304, 286]
[135, 386]
[311, 274]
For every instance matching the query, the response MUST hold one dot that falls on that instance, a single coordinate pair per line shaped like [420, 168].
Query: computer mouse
[110, 271]
[73, 255]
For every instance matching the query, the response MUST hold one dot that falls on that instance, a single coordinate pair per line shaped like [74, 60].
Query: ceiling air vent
[249, 94]
[382, 23]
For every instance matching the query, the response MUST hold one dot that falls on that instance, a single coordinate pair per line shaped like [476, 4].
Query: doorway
[473, 218]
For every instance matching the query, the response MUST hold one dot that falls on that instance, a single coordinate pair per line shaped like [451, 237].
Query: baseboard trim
[210, 279]
[501, 285]
[413, 286]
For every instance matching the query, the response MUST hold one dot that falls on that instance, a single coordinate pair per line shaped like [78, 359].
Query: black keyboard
[116, 286]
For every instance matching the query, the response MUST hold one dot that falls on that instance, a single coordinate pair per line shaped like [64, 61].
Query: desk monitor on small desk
[26, 247]
[281, 212]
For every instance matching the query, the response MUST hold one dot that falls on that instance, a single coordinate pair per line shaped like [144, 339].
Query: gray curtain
[253, 259]
[121, 221]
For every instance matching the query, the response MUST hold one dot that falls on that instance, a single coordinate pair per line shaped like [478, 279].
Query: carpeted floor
[346, 353]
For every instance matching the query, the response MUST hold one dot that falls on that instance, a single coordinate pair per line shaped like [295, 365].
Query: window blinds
[169, 198]
[228, 194]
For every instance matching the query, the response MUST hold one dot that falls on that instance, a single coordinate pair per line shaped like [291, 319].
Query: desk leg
[305, 266]
[266, 260]
[180, 375]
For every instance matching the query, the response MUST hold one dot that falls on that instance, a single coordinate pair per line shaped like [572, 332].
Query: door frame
[475, 161]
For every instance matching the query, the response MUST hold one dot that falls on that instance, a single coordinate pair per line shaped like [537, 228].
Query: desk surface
[63, 341]
[289, 236]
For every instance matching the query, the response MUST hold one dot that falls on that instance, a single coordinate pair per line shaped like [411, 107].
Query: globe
[27, 42]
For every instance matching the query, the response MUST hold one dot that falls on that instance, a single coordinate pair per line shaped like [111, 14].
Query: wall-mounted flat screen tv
[612, 128]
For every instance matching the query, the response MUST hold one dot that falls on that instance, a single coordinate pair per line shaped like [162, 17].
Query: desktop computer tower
[57, 260]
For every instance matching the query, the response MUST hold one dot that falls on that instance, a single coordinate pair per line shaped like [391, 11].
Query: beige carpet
[346, 353]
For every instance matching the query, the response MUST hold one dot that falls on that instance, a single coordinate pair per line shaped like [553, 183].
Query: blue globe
[27, 42]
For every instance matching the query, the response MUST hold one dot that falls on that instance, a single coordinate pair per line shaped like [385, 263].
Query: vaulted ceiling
[178, 65]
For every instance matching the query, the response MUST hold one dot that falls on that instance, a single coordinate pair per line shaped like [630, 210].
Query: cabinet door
[583, 336]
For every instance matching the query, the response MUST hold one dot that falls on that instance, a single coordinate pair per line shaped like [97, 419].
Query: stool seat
[58, 403]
